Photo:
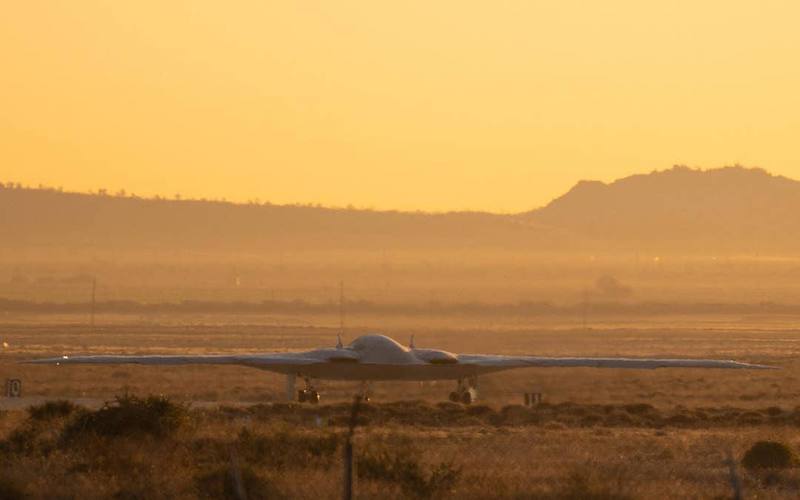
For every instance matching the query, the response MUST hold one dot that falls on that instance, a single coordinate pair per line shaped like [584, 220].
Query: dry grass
[600, 434]
[661, 388]
[289, 454]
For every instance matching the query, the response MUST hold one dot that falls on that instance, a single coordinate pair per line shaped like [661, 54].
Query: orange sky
[414, 105]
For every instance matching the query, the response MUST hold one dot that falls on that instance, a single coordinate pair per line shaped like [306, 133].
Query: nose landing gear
[365, 391]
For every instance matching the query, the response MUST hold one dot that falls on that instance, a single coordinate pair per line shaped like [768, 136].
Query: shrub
[51, 410]
[750, 418]
[582, 486]
[32, 436]
[403, 467]
[286, 449]
[769, 454]
[591, 420]
[449, 407]
[479, 410]
[130, 416]
[773, 411]
[681, 420]
[639, 408]
[24, 439]
[227, 482]
[620, 419]
[40, 432]
[11, 489]
[515, 415]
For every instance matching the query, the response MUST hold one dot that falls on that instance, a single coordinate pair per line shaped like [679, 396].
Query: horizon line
[176, 198]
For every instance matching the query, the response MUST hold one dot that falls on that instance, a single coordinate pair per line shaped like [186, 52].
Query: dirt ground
[603, 432]
[774, 343]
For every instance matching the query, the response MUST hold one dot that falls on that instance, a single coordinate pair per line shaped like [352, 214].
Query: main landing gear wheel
[466, 392]
[308, 396]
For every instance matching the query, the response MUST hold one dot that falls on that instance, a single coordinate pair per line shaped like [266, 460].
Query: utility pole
[341, 308]
[585, 309]
[347, 493]
[94, 293]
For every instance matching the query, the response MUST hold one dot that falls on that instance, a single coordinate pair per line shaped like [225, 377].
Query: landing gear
[466, 392]
[366, 391]
[309, 394]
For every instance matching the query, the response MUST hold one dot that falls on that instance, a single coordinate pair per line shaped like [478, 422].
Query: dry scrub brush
[153, 447]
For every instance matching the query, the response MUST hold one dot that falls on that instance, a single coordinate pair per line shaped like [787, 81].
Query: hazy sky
[433, 105]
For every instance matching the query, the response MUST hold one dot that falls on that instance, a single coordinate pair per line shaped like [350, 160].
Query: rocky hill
[733, 209]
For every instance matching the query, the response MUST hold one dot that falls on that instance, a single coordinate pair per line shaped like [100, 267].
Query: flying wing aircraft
[377, 357]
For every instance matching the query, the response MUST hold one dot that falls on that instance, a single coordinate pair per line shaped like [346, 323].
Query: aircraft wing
[497, 362]
[275, 362]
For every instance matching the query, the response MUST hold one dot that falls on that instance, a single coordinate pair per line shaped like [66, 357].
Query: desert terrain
[106, 274]
[616, 179]
[597, 434]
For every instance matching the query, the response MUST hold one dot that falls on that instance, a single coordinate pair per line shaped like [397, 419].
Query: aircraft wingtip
[755, 366]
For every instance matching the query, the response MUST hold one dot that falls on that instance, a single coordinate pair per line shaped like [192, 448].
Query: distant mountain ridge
[727, 209]
[732, 209]
[45, 218]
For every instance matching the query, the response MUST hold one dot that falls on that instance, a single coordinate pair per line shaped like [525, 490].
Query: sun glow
[411, 105]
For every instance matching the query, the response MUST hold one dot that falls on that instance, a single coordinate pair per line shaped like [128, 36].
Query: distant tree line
[256, 202]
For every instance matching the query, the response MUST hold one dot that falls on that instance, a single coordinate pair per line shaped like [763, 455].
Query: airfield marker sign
[13, 388]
